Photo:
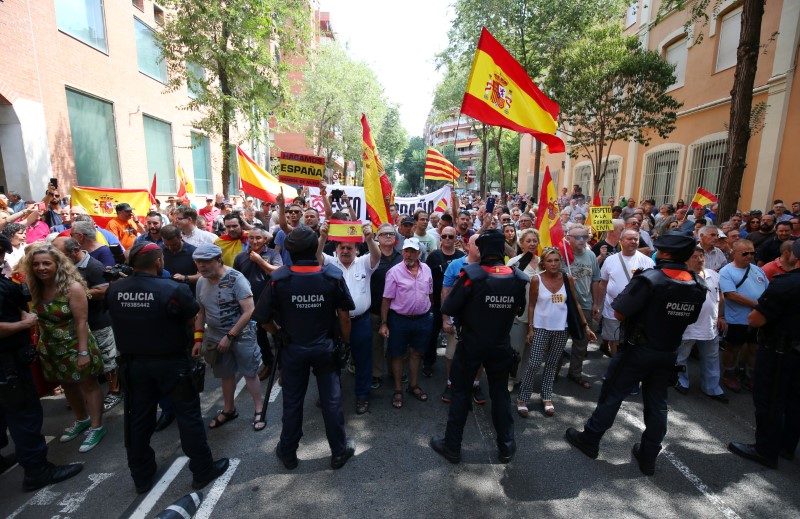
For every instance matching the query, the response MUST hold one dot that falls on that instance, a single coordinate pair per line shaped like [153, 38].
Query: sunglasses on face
[386, 235]
[748, 253]
[579, 237]
[293, 211]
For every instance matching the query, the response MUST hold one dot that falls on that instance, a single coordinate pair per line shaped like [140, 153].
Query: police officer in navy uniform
[307, 301]
[20, 409]
[152, 320]
[656, 307]
[484, 301]
[776, 393]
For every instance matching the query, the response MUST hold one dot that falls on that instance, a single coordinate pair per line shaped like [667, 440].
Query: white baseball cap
[411, 243]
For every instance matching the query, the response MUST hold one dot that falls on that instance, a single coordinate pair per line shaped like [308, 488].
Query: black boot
[338, 462]
[217, 469]
[648, 467]
[577, 440]
[438, 445]
[47, 474]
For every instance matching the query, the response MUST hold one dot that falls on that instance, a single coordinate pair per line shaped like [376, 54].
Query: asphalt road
[396, 474]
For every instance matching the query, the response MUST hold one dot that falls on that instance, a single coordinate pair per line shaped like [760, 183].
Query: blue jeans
[709, 364]
[405, 332]
[361, 349]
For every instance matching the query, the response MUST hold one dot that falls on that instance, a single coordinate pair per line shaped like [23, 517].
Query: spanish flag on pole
[377, 188]
[500, 93]
[547, 217]
[703, 198]
[184, 184]
[439, 168]
[256, 182]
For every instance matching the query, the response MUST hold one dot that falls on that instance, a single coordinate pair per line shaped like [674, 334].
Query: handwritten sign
[306, 170]
[601, 218]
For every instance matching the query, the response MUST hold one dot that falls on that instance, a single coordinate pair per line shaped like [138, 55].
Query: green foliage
[239, 44]
[392, 139]
[610, 89]
[412, 166]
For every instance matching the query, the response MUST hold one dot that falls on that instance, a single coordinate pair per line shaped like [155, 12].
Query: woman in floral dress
[67, 349]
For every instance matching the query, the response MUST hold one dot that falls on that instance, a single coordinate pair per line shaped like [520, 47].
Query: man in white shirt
[357, 273]
[615, 275]
[186, 220]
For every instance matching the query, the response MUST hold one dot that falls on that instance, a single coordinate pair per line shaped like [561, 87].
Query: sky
[398, 40]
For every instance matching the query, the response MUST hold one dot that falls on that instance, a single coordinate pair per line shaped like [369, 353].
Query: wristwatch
[83, 353]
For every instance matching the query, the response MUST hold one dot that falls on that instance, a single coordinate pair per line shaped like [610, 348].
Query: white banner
[437, 201]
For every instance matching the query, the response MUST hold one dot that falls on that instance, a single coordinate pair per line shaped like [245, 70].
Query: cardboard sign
[601, 218]
[306, 170]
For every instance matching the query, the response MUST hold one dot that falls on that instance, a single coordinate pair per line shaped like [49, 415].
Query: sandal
[418, 393]
[259, 423]
[549, 410]
[580, 381]
[522, 409]
[223, 418]
[397, 399]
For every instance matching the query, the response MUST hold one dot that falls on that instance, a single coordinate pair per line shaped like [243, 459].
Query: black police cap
[301, 239]
[675, 241]
[491, 243]
[5, 244]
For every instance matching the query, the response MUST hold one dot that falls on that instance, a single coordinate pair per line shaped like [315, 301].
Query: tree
[611, 89]
[739, 130]
[412, 165]
[392, 139]
[238, 44]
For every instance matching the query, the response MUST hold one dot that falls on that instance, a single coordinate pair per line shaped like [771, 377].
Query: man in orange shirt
[125, 226]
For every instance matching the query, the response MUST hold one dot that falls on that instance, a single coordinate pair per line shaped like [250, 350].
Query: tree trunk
[225, 89]
[741, 105]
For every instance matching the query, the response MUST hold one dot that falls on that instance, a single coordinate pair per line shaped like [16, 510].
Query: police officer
[307, 301]
[152, 317]
[776, 393]
[484, 301]
[657, 306]
[20, 409]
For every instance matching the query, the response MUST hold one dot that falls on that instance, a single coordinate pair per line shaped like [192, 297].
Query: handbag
[575, 325]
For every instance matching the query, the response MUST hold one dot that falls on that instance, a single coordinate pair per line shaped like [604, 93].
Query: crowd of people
[398, 278]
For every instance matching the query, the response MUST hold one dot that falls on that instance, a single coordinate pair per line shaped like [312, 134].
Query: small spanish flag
[703, 198]
[439, 168]
[441, 207]
[343, 230]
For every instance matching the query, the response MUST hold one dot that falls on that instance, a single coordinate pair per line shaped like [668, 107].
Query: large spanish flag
[100, 202]
[437, 167]
[500, 93]
[258, 183]
[547, 217]
[377, 188]
[703, 198]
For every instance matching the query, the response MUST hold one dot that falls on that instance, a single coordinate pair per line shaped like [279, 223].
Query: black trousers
[24, 422]
[497, 362]
[776, 397]
[429, 359]
[146, 381]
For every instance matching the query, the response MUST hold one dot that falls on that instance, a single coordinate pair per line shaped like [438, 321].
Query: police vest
[497, 295]
[149, 315]
[12, 300]
[672, 305]
[306, 300]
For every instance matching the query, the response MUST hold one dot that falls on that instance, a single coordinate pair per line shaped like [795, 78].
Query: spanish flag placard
[306, 170]
[343, 230]
[100, 202]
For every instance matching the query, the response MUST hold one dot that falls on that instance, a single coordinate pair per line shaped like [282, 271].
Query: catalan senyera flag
[500, 93]
[100, 202]
[184, 184]
[377, 188]
[437, 167]
[595, 203]
[258, 183]
[703, 198]
[547, 217]
[344, 230]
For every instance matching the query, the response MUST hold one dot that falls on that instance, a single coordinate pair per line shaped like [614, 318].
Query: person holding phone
[125, 226]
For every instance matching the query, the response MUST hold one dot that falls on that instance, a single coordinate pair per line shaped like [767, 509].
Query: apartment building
[466, 142]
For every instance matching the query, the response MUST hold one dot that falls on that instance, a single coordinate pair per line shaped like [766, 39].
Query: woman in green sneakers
[67, 349]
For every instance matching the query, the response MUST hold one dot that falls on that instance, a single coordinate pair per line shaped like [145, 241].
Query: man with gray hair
[85, 234]
[611, 243]
[715, 259]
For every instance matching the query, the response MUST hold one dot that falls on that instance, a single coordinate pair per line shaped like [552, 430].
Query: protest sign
[601, 218]
[306, 170]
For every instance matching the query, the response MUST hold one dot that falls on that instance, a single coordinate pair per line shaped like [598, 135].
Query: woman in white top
[547, 319]
[528, 262]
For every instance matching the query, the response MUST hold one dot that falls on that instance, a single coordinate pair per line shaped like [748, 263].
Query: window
[630, 15]
[83, 19]
[151, 62]
[94, 140]
[583, 177]
[158, 15]
[705, 166]
[608, 186]
[201, 161]
[139, 4]
[158, 146]
[660, 174]
[195, 73]
[730, 27]
[676, 54]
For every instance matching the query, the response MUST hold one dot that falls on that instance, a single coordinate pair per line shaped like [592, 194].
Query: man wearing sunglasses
[742, 283]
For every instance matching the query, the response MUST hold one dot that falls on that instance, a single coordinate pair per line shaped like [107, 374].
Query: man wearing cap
[655, 307]
[226, 304]
[776, 394]
[483, 301]
[19, 403]
[209, 212]
[308, 301]
[125, 226]
[405, 230]
[406, 318]
[157, 365]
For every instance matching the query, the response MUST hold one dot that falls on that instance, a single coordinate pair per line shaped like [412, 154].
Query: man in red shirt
[209, 212]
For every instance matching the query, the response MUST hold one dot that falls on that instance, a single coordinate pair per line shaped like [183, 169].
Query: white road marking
[41, 498]
[73, 501]
[204, 512]
[239, 388]
[158, 489]
[718, 503]
[276, 390]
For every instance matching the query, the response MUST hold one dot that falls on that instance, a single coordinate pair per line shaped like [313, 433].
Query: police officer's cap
[5, 244]
[681, 243]
[301, 239]
[491, 243]
[207, 251]
[141, 249]
[124, 206]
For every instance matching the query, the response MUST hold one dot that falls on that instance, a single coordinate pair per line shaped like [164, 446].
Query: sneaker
[447, 396]
[74, 430]
[427, 371]
[93, 437]
[376, 382]
[636, 389]
[111, 400]
[477, 395]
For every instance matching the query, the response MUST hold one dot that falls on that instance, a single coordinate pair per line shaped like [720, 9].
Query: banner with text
[601, 218]
[437, 201]
[306, 170]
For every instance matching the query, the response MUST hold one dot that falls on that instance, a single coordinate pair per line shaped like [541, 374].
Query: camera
[113, 273]
[117, 252]
[336, 195]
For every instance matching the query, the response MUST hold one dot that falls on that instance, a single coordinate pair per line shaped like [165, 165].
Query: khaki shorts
[610, 329]
[243, 357]
[107, 347]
